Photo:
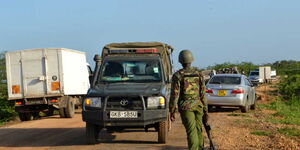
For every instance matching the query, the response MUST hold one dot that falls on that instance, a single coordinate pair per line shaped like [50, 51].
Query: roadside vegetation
[6, 108]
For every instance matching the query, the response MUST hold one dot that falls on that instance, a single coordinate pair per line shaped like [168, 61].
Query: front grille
[134, 103]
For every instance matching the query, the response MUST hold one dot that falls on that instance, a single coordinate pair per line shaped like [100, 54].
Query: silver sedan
[231, 90]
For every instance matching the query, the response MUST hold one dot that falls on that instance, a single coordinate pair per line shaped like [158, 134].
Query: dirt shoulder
[236, 130]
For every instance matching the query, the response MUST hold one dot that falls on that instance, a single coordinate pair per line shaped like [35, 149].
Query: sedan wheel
[245, 108]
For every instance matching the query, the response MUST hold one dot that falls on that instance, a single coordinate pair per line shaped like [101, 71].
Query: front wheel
[162, 132]
[25, 116]
[92, 133]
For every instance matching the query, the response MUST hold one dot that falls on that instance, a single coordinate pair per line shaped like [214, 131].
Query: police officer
[188, 97]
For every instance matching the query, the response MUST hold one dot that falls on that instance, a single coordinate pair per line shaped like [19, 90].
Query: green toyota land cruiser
[130, 89]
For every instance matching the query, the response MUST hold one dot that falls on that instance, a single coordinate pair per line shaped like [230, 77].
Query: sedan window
[225, 80]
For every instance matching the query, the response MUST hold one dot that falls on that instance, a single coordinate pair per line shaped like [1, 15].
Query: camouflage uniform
[188, 97]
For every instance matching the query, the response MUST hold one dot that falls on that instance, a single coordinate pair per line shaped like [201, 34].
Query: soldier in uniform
[188, 97]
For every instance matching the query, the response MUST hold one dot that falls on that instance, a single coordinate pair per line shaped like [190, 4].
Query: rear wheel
[92, 133]
[162, 132]
[62, 113]
[25, 116]
[253, 106]
[70, 109]
[245, 108]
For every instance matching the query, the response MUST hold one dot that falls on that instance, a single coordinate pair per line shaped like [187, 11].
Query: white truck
[261, 75]
[46, 79]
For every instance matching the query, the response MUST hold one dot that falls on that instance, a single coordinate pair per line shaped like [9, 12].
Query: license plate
[123, 114]
[221, 92]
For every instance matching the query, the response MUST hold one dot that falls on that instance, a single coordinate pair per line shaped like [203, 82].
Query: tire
[245, 108]
[36, 116]
[92, 133]
[163, 132]
[253, 106]
[70, 109]
[25, 116]
[62, 113]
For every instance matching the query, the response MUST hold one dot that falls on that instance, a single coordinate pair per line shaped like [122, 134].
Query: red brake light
[53, 100]
[18, 103]
[238, 91]
[209, 91]
[152, 50]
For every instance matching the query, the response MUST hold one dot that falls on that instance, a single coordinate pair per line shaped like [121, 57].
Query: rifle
[207, 129]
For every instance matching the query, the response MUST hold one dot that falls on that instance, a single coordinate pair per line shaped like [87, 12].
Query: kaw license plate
[123, 114]
[222, 93]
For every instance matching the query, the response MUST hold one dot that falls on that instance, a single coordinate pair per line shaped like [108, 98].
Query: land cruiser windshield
[130, 71]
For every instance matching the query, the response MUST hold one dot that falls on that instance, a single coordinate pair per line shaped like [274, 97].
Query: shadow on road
[43, 137]
[36, 137]
[224, 109]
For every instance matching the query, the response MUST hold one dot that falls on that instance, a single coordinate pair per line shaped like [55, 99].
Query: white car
[231, 90]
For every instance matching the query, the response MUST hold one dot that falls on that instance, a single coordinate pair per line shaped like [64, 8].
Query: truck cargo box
[46, 72]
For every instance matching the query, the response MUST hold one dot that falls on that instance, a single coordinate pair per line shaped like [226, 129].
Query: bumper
[238, 100]
[256, 81]
[31, 108]
[145, 117]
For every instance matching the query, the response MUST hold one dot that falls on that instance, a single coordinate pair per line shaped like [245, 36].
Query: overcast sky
[216, 31]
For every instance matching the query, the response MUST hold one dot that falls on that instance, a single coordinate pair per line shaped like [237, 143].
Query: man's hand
[205, 117]
[172, 116]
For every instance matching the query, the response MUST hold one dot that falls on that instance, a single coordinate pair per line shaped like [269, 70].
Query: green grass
[289, 131]
[286, 112]
[261, 133]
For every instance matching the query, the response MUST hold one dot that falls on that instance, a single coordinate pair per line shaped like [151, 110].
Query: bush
[7, 110]
[289, 87]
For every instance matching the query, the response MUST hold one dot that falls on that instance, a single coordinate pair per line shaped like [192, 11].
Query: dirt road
[58, 133]
[232, 130]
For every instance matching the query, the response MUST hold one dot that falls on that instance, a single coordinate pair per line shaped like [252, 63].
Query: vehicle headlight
[93, 102]
[156, 102]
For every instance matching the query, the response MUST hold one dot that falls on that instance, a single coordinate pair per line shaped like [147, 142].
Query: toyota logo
[124, 102]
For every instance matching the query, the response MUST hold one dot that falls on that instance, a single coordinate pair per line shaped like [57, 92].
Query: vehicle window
[118, 70]
[254, 73]
[247, 82]
[225, 80]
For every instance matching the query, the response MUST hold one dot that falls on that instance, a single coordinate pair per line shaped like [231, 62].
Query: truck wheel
[62, 113]
[36, 116]
[92, 133]
[70, 109]
[25, 116]
[163, 132]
